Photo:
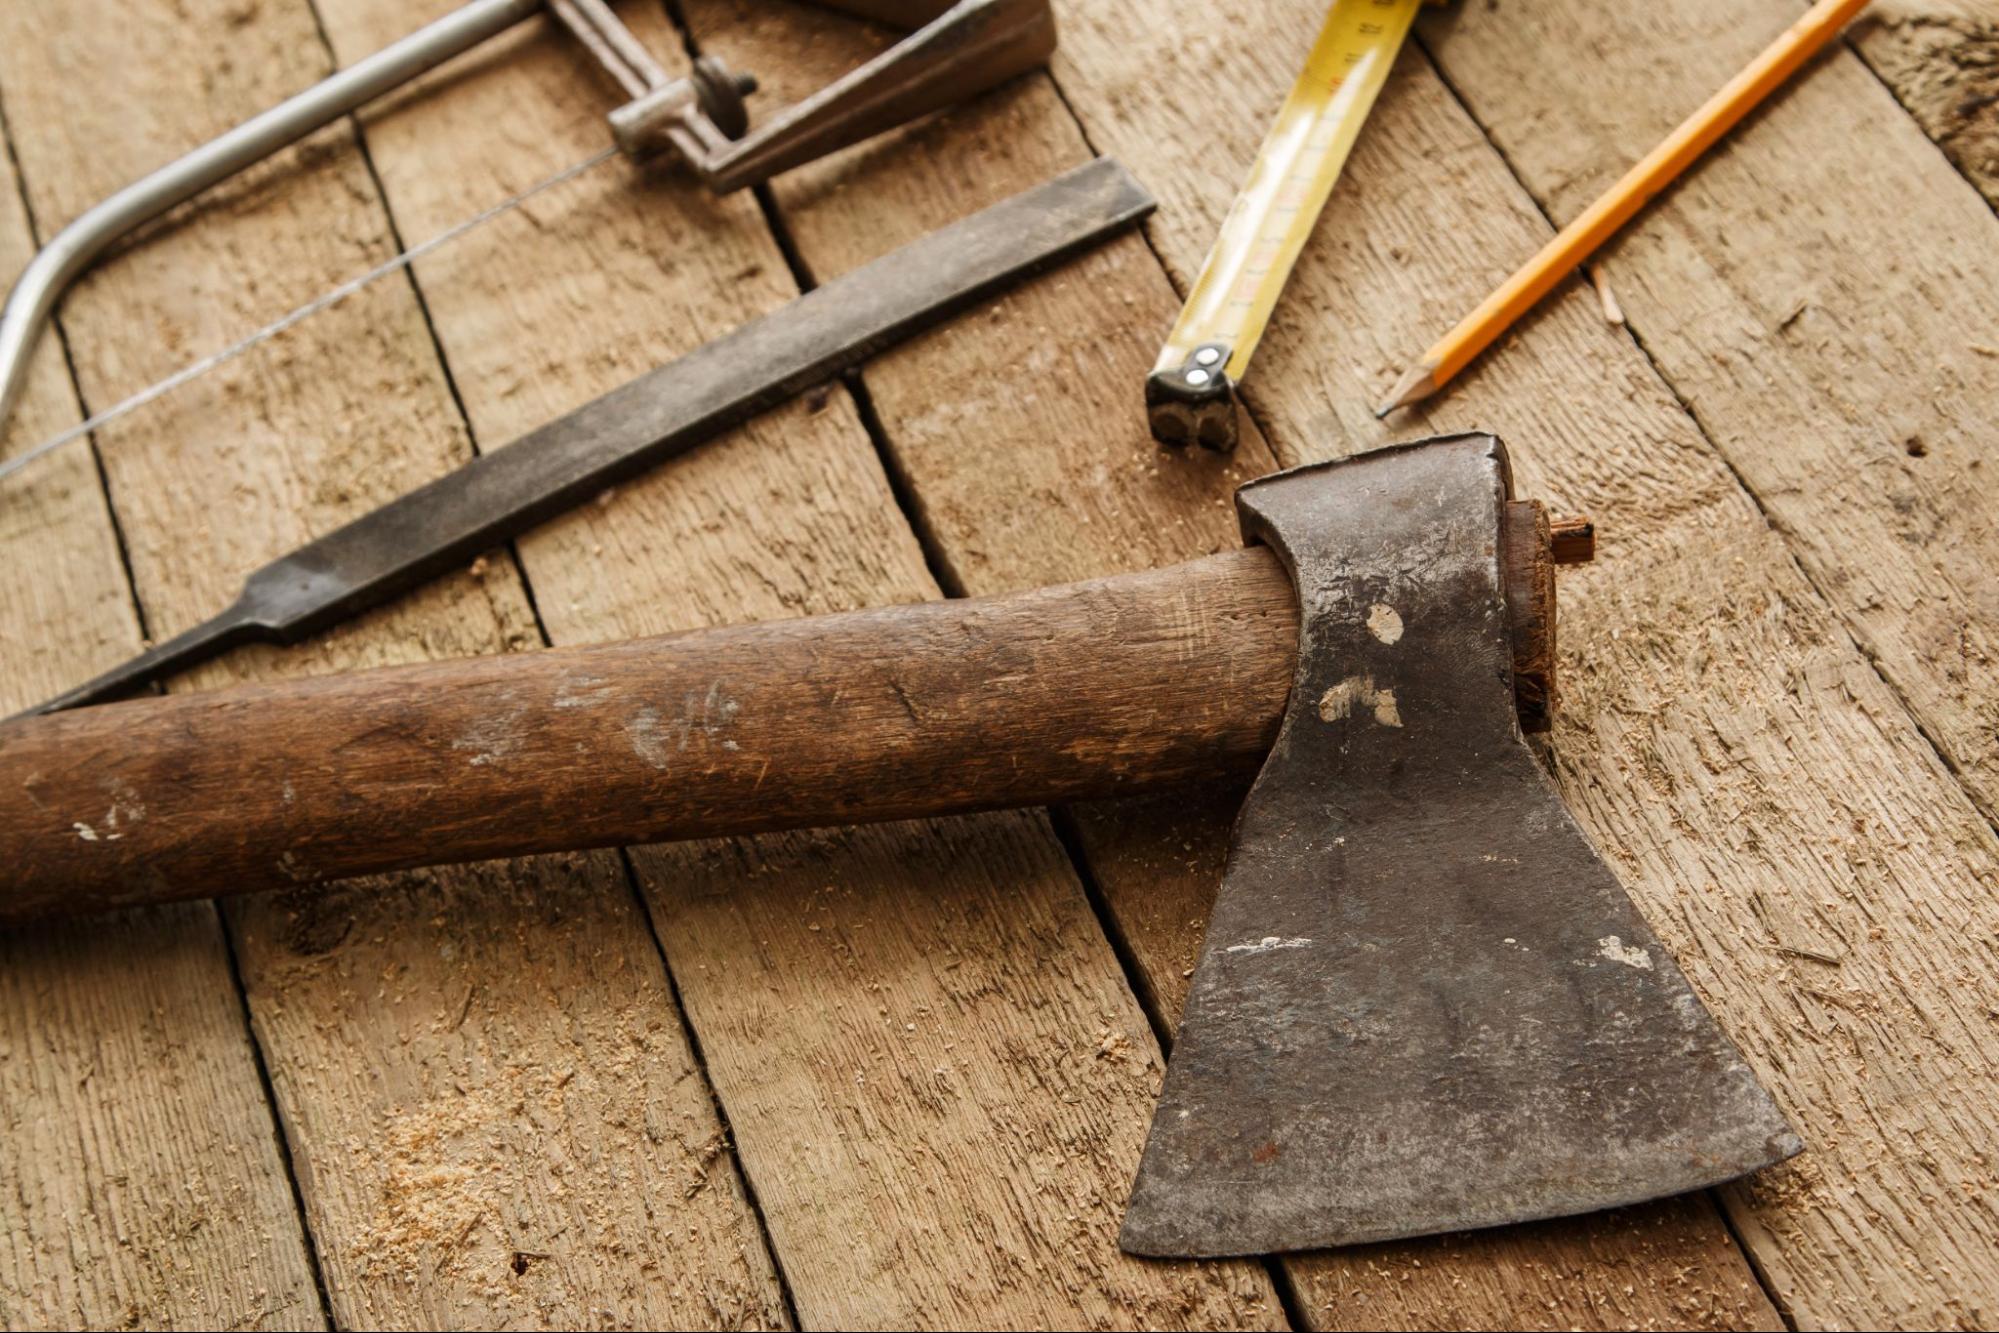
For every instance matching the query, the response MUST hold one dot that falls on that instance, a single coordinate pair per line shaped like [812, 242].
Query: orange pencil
[1658, 169]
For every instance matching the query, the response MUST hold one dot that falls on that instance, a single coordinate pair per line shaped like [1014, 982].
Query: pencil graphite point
[1417, 383]
[1580, 239]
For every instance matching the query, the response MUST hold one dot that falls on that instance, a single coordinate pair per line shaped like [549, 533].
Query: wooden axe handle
[1166, 678]
[1087, 690]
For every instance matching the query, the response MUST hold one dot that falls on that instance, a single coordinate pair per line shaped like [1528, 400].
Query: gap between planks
[999, 123]
[1632, 329]
[627, 873]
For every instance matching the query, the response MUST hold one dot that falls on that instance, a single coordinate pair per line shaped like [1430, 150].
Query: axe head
[1424, 1003]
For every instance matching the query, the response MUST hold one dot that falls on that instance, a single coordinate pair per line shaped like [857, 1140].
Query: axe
[1424, 1003]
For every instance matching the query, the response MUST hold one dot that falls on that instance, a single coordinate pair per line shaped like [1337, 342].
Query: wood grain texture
[1784, 826]
[1665, 1265]
[1086, 690]
[979, 1083]
[1066, 479]
[145, 1186]
[1766, 796]
[139, 1158]
[1941, 60]
[422, 1107]
[958, 1210]
[1805, 293]
[498, 1115]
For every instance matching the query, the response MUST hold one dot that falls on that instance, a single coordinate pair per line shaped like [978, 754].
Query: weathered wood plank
[1776, 813]
[1805, 292]
[138, 1151]
[504, 1123]
[1941, 59]
[935, 1075]
[1061, 480]
[144, 1180]
[464, 1160]
[1666, 1265]
[975, 1086]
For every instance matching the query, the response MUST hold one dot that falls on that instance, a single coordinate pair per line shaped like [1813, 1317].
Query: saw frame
[960, 48]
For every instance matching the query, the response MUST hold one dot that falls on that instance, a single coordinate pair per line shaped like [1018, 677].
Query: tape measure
[1190, 395]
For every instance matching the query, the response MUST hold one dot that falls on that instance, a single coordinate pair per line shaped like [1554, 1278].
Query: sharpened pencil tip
[1417, 383]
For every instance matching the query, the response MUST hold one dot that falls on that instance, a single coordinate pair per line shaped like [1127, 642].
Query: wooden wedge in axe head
[1424, 1004]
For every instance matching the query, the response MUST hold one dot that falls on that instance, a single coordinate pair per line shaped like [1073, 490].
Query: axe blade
[1424, 1004]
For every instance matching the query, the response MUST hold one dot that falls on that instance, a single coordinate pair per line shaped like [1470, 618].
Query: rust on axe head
[1424, 1004]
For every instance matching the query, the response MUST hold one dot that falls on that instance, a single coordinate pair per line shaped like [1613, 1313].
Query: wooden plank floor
[899, 1077]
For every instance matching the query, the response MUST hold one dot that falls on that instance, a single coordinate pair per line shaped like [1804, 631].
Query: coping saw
[958, 50]
[1424, 1002]
[1190, 396]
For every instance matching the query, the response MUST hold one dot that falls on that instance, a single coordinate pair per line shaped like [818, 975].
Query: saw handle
[1167, 678]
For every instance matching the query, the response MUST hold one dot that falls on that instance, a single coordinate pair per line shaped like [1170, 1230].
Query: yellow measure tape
[1190, 395]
